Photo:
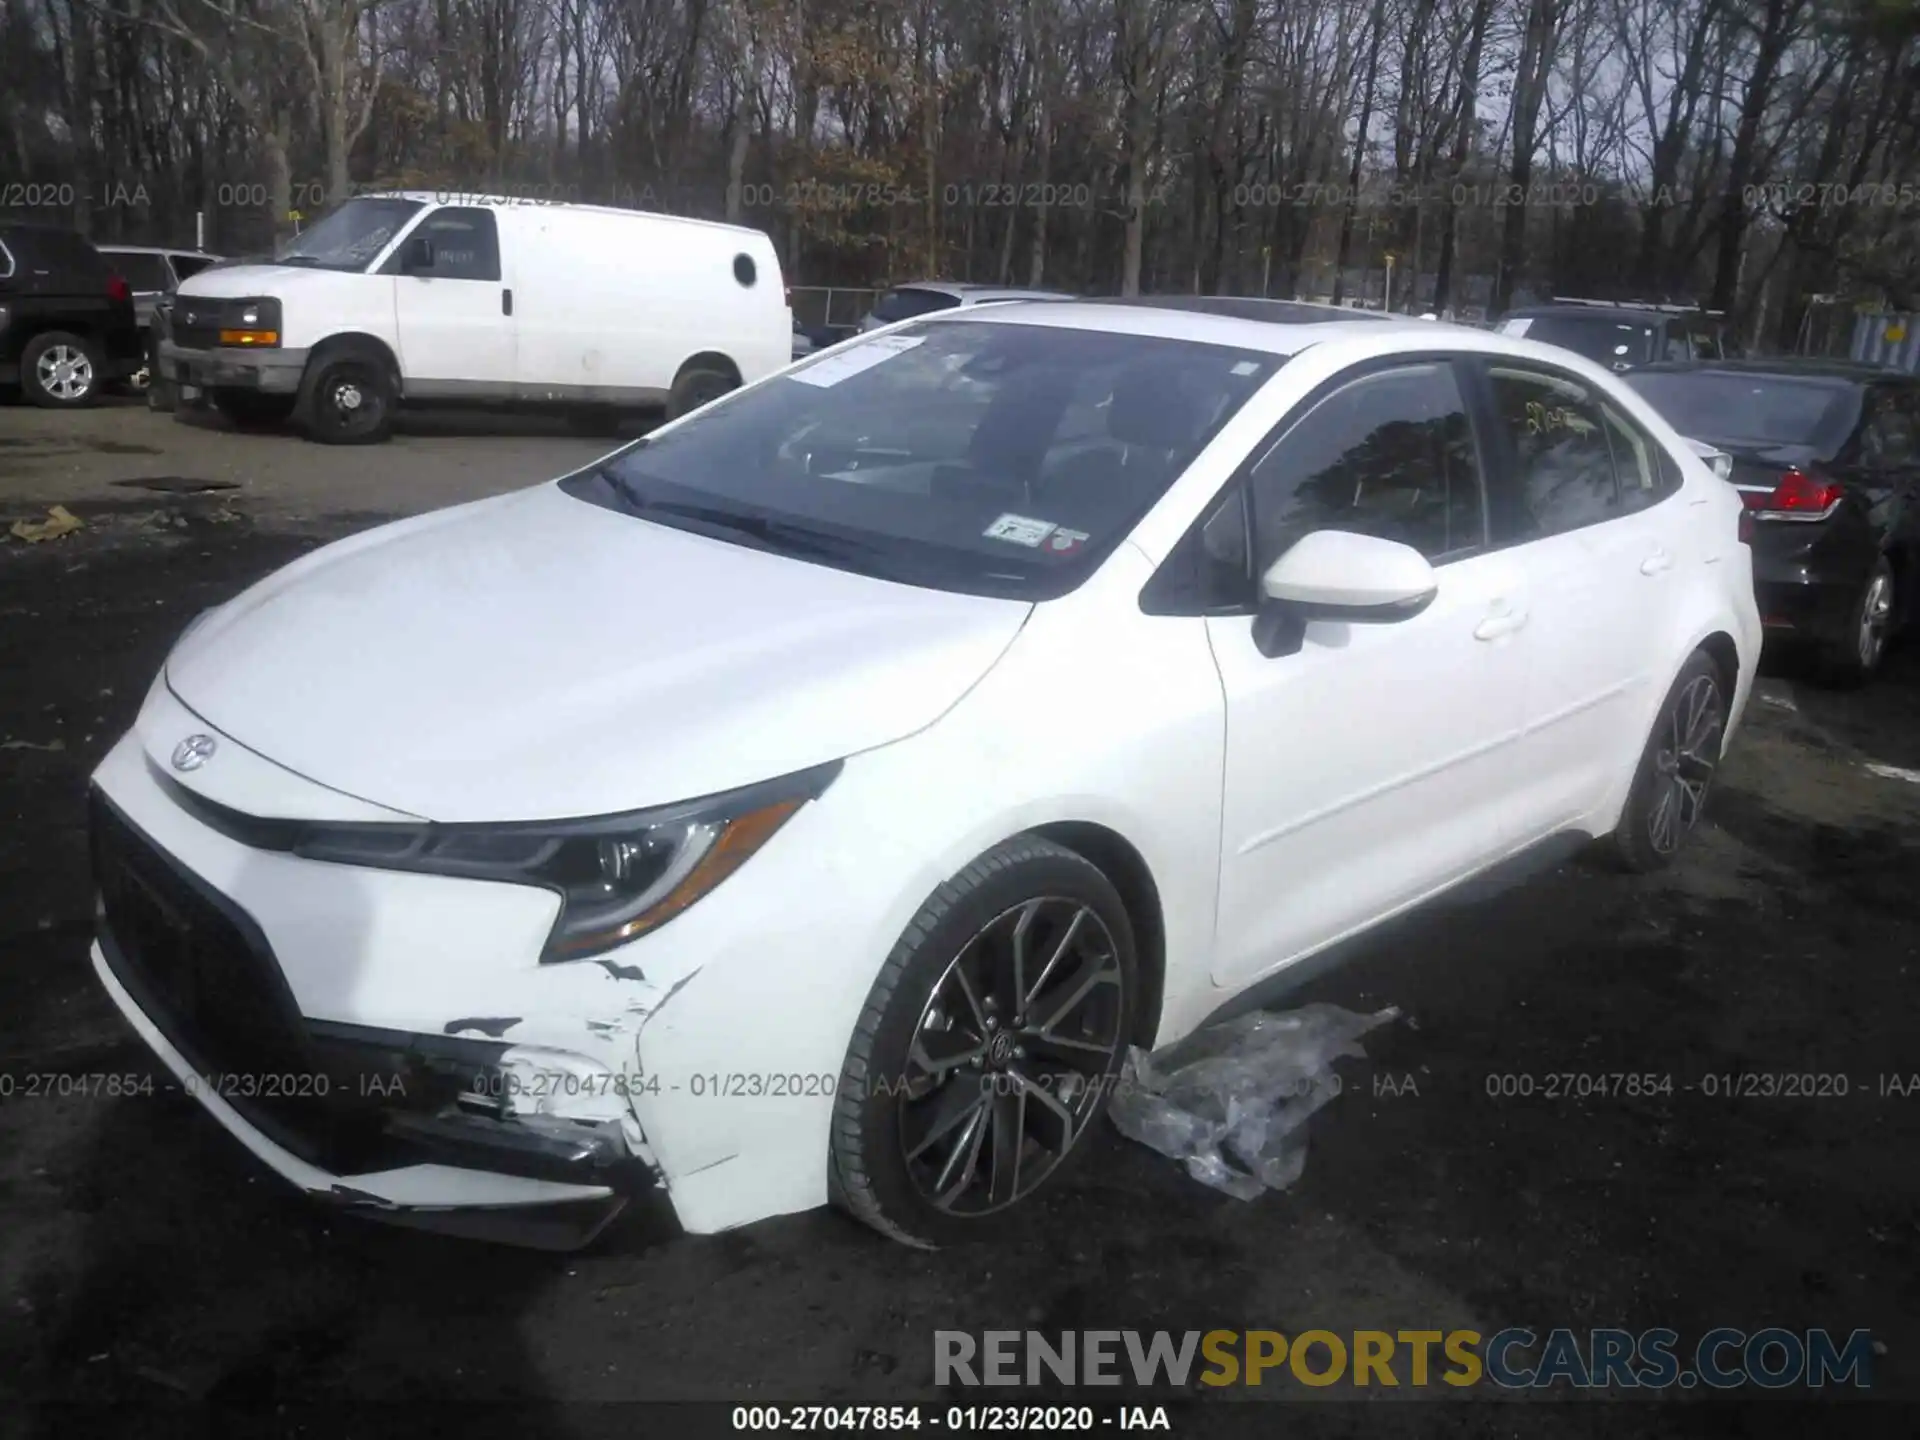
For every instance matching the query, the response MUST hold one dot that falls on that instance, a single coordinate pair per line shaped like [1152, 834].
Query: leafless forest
[1762, 156]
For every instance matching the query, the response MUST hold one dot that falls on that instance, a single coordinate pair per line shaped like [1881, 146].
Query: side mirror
[1341, 576]
[419, 255]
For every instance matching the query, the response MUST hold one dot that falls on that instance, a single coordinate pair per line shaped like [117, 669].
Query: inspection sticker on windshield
[1020, 530]
[1065, 542]
[830, 370]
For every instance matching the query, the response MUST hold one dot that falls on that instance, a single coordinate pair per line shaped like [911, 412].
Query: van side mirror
[1338, 575]
[419, 255]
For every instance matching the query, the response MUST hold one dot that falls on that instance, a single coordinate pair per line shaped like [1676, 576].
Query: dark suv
[1623, 337]
[1826, 455]
[67, 324]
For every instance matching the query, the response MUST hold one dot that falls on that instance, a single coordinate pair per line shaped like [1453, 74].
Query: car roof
[1642, 313]
[154, 250]
[1227, 327]
[1253, 307]
[1785, 367]
[974, 290]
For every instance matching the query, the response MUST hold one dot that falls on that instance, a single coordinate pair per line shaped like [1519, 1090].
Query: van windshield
[350, 237]
[986, 457]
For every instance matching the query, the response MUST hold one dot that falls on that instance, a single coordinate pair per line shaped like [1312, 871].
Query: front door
[453, 315]
[1369, 769]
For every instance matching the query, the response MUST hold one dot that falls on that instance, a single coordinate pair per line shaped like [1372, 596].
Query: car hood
[234, 282]
[535, 657]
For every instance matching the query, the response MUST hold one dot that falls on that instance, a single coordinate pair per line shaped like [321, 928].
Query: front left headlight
[618, 877]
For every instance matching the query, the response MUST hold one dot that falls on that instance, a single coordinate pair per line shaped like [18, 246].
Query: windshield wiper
[782, 535]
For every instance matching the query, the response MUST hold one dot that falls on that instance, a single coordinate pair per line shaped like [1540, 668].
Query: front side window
[1556, 431]
[986, 457]
[350, 237]
[1389, 455]
[466, 246]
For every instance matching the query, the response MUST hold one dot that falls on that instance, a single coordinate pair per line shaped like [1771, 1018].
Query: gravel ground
[144, 1257]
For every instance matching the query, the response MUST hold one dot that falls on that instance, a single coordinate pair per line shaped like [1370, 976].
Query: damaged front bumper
[441, 1171]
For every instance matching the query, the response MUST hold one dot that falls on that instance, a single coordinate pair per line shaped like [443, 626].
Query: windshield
[990, 458]
[1757, 409]
[350, 237]
[1608, 341]
[909, 301]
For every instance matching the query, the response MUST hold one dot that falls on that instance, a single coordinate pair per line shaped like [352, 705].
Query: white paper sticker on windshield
[1517, 327]
[1246, 367]
[831, 369]
[1019, 530]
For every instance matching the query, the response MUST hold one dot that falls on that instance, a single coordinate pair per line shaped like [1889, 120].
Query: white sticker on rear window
[1019, 530]
[1516, 327]
[831, 369]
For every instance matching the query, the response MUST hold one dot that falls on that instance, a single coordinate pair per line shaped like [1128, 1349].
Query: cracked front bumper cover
[411, 1128]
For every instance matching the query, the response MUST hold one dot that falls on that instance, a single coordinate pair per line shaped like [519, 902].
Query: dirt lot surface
[145, 1259]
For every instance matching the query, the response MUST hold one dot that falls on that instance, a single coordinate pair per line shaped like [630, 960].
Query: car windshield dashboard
[987, 458]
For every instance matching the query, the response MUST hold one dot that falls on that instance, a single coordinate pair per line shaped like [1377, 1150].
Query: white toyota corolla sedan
[813, 800]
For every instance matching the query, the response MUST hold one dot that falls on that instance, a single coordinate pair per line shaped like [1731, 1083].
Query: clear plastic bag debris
[1232, 1100]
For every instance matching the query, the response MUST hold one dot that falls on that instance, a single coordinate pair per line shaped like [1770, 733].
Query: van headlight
[618, 876]
[251, 324]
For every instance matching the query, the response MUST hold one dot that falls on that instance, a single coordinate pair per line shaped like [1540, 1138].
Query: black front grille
[204, 974]
[194, 337]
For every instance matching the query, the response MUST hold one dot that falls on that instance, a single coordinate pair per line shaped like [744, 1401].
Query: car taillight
[118, 289]
[1798, 496]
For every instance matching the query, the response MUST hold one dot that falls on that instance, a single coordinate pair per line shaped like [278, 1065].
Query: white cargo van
[421, 297]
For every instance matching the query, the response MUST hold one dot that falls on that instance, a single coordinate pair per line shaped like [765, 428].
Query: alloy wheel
[1876, 613]
[1011, 1055]
[1684, 764]
[64, 372]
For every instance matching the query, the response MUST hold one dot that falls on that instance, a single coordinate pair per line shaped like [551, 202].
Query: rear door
[453, 316]
[1581, 499]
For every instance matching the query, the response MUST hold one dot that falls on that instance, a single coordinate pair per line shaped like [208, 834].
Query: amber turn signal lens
[249, 337]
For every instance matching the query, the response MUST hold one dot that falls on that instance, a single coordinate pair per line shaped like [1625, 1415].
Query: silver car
[923, 297]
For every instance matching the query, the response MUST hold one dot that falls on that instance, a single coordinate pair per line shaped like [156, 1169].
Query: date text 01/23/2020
[953, 1419]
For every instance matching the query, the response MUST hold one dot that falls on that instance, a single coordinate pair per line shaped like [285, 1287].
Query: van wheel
[60, 371]
[695, 388]
[988, 1047]
[346, 398]
[1676, 771]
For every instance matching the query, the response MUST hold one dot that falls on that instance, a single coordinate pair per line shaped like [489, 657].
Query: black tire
[1854, 658]
[1671, 786]
[347, 398]
[696, 387]
[249, 409]
[968, 923]
[61, 371]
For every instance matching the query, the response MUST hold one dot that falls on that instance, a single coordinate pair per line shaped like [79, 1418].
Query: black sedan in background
[1826, 455]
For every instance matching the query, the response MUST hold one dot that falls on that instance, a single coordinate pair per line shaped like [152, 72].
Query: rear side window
[1556, 433]
[909, 301]
[62, 253]
[1389, 455]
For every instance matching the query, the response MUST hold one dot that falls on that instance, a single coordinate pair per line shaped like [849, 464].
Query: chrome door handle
[1495, 626]
[1656, 562]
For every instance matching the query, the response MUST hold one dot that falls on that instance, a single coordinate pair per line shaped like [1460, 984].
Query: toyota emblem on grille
[192, 752]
